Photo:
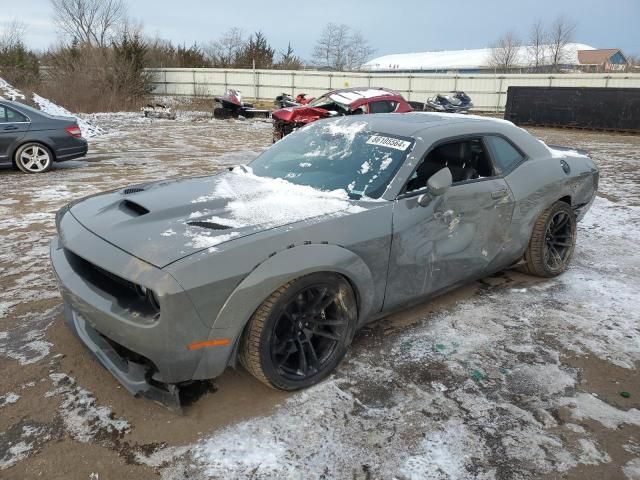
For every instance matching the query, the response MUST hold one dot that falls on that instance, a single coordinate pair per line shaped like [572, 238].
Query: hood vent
[133, 207]
[130, 190]
[209, 225]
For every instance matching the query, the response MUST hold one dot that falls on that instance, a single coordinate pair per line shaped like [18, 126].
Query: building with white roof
[462, 61]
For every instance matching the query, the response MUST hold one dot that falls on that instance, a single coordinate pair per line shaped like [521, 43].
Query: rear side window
[383, 106]
[505, 155]
[11, 116]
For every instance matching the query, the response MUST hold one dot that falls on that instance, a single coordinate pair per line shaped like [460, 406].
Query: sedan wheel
[552, 242]
[34, 158]
[301, 332]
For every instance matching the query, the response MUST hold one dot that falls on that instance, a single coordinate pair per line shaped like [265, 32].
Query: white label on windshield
[389, 142]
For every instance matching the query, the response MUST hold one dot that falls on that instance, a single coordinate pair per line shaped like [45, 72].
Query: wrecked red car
[348, 101]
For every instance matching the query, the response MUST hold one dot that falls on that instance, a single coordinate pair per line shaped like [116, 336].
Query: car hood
[165, 221]
[303, 114]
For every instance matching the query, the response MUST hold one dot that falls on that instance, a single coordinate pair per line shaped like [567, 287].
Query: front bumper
[144, 354]
[135, 377]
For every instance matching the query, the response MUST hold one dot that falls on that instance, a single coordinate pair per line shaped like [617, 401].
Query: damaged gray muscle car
[276, 264]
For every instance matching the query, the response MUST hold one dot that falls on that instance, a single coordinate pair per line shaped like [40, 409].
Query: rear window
[505, 155]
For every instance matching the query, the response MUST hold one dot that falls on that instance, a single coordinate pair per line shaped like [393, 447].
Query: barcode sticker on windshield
[388, 142]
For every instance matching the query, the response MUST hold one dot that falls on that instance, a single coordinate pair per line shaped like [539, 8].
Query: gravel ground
[510, 377]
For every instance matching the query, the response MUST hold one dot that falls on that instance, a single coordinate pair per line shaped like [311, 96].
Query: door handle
[11, 127]
[499, 194]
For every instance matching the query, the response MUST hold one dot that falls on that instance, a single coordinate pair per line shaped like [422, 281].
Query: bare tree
[537, 46]
[91, 22]
[11, 34]
[341, 48]
[225, 51]
[560, 35]
[505, 53]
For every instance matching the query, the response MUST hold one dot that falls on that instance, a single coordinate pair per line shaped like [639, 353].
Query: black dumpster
[577, 107]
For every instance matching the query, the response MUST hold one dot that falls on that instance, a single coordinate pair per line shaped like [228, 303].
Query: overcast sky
[390, 26]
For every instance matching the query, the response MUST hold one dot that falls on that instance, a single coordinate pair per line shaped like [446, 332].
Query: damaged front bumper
[135, 377]
[147, 352]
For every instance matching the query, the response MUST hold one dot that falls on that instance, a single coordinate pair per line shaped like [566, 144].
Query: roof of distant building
[461, 59]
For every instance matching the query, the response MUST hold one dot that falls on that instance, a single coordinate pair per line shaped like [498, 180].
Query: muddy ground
[510, 377]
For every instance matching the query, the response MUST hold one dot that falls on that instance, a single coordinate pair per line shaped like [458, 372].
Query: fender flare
[288, 265]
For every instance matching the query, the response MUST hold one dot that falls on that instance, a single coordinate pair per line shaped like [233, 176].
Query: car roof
[408, 124]
[356, 96]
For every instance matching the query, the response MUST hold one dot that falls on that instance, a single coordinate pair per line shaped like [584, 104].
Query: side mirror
[440, 182]
[437, 185]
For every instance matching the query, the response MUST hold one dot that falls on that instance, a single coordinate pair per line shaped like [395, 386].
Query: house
[602, 60]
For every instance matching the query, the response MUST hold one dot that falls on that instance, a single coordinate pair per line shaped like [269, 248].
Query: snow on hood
[269, 202]
[240, 202]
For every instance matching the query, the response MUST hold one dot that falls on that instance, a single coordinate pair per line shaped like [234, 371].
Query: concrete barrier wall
[489, 92]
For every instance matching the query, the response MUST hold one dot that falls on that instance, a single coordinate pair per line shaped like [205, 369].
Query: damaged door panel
[456, 236]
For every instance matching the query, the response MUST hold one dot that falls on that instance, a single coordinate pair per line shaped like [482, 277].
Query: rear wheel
[552, 242]
[301, 332]
[34, 158]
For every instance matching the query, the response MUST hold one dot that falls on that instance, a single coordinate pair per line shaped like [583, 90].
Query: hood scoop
[133, 208]
[209, 225]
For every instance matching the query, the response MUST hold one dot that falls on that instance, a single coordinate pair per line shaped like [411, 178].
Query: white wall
[489, 92]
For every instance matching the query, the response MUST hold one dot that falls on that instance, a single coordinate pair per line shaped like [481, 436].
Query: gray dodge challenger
[277, 263]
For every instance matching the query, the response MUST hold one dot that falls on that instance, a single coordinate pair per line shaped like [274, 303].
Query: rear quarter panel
[541, 181]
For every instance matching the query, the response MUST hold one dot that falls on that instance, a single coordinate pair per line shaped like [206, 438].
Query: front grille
[125, 293]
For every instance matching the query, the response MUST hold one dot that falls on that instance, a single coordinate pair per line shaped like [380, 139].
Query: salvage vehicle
[285, 100]
[230, 105]
[31, 140]
[348, 101]
[459, 102]
[276, 264]
[158, 110]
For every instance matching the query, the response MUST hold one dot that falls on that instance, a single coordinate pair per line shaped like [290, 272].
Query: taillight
[74, 131]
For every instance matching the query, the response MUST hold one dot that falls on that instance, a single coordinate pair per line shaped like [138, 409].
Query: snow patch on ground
[8, 398]
[82, 416]
[9, 92]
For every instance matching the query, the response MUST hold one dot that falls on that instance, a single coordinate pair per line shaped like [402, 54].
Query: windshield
[336, 155]
[328, 104]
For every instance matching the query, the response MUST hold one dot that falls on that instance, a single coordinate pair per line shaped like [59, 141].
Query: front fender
[288, 265]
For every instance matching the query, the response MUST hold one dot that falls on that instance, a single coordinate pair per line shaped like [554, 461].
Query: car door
[457, 236]
[13, 126]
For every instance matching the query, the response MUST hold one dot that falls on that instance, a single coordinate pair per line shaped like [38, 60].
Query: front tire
[552, 242]
[301, 332]
[34, 157]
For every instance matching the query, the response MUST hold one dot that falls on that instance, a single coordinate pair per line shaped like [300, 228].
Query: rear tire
[552, 242]
[33, 157]
[298, 336]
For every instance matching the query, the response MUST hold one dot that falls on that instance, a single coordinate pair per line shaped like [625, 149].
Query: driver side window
[467, 159]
